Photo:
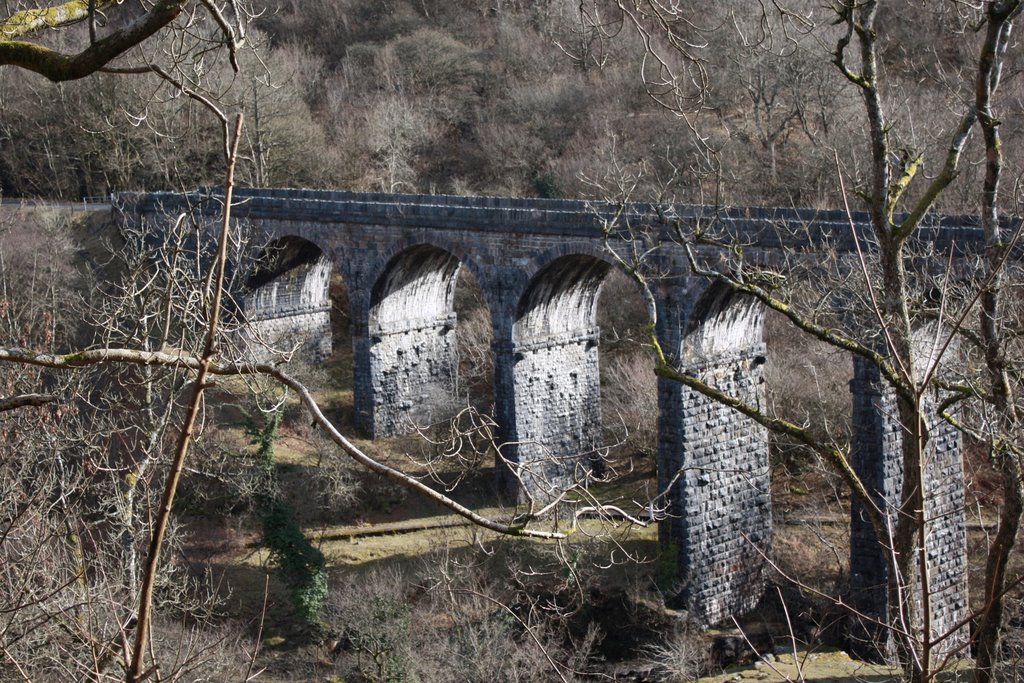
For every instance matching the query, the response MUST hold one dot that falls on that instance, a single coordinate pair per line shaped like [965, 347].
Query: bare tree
[178, 351]
[160, 340]
[883, 285]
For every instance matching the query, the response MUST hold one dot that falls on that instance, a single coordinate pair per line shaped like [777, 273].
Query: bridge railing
[766, 227]
[99, 200]
[91, 203]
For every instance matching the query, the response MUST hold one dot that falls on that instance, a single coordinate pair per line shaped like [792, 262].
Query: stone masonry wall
[947, 533]
[877, 457]
[557, 414]
[414, 374]
[722, 493]
[872, 436]
[411, 332]
[305, 334]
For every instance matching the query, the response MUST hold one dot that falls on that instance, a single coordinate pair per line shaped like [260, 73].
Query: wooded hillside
[507, 98]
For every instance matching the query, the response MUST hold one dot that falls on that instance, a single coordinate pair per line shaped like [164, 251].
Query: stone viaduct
[540, 265]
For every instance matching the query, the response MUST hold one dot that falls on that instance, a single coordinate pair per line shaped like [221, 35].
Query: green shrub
[545, 186]
[300, 565]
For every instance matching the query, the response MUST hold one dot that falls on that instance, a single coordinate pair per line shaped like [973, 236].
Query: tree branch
[26, 400]
[37, 19]
[58, 66]
[93, 357]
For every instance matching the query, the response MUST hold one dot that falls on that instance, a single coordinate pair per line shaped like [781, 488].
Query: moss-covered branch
[60, 66]
[27, 21]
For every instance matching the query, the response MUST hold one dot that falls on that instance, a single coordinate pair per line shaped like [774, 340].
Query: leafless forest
[510, 98]
[266, 560]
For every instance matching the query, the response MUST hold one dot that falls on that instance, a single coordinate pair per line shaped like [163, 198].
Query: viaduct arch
[540, 265]
[289, 305]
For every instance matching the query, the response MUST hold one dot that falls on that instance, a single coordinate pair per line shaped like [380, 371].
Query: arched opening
[473, 336]
[806, 382]
[287, 306]
[629, 387]
[414, 350]
[418, 285]
[723, 325]
[560, 300]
